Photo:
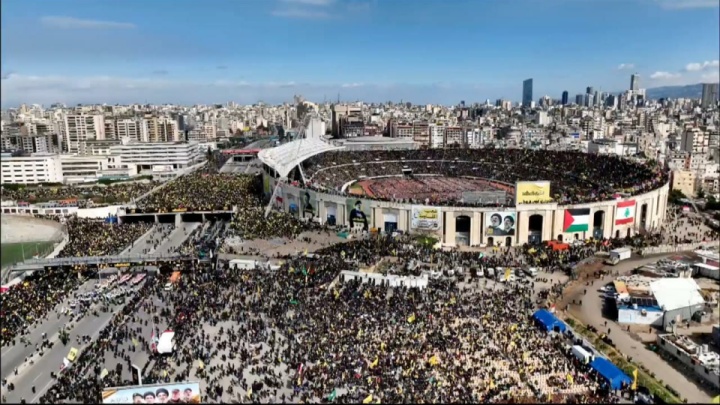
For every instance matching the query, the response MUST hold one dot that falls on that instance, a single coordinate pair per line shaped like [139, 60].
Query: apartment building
[160, 130]
[694, 140]
[130, 128]
[82, 127]
[34, 169]
[31, 143]
[686, 181]
[703, 362]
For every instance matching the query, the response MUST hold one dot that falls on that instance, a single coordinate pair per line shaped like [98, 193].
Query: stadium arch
[463, 226]
[535, 228]
[598, 224]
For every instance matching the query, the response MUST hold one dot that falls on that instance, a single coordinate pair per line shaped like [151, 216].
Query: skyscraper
[709, 94]
[564, 98]
[635, 82]
[527, 95]
[589, 90]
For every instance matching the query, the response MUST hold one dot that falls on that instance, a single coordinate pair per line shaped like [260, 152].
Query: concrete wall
[552, 214]
[683, 247]
[97, 212]
[689, 361]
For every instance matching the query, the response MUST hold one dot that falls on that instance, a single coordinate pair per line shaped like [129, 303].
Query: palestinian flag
[576, 220]
[625, 212]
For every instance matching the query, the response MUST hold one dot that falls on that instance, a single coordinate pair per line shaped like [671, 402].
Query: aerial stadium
[467, 197]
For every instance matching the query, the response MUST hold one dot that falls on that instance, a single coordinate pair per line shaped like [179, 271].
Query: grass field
[13, 252]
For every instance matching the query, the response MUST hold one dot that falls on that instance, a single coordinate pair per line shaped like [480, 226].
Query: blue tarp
[549, 321]
[610, 372]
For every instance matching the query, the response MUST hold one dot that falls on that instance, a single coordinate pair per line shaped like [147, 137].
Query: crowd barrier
[683, 247]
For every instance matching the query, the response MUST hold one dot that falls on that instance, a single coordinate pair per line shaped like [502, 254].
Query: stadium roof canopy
[285, 157]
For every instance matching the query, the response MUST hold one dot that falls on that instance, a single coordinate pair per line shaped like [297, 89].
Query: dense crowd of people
[575, 177]
[80, 196]
[200, 191]
[25, 303]
[296, 336]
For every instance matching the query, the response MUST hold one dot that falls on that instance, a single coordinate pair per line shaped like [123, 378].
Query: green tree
[675, 196]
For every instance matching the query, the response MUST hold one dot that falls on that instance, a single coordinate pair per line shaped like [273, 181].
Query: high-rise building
[580, 99]
[564, 98]
[634, 82]
[709, 94]
[527, 94]
[589, 90]
[83, 127]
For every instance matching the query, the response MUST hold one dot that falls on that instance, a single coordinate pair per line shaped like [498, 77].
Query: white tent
[166, 344]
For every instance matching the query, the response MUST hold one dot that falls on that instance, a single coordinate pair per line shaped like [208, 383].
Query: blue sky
[424, 51]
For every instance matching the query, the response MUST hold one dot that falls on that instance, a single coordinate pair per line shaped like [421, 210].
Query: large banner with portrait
[532, 192]
[426, 218]
[359, 213]
[308, 204]
[500, 223]
[179, 393]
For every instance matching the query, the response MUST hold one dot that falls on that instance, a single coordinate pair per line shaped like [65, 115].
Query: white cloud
[708, 64]
[78, 23]
[301, 14]
[22, 88]
[711, 77]
[321, 3]
[625, 66]
[664, 76]
[686, 4]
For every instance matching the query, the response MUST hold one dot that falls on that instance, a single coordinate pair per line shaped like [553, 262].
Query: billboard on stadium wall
[532, 192]
[359, 213]
[500, 223]
[182, 393]
[426, 218]
[308, 204]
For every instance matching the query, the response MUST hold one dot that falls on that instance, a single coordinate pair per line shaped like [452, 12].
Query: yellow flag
[411, 318]
[134, 342]
[104, 373]
[337, 294]
[249, 392]
[382, 346]
[492, 383]
[434, 360]
[368, 399]
[453, 300]
[570, 379]
[635, 379]
[374, 363]
[201, 365]
[367, 294]
[306, 252]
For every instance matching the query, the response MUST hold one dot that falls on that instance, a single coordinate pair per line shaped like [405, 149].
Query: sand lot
[17, 229]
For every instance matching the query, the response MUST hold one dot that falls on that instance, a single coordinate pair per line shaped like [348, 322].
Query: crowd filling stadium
[80, 196]
[575, 177]
[303, 331]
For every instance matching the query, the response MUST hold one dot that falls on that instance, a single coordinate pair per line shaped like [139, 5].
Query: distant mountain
[689, 91]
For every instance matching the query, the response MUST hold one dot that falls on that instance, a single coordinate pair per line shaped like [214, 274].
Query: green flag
[294, 301]
[304, 271]
[332, 395]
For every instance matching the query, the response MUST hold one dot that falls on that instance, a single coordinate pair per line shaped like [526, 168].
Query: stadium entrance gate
[331, 209]
[462, 230]
[535, 228]
[598, 224]
[390, 220]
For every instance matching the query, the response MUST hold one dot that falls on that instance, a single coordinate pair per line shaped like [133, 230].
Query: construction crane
[300, 135]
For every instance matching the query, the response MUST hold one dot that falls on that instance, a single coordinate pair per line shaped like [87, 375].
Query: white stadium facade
[618, 216]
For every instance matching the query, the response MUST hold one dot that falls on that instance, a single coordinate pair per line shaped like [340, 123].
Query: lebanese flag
[625, 212]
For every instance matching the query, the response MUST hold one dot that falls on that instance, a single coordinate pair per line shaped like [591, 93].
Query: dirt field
[20, 229]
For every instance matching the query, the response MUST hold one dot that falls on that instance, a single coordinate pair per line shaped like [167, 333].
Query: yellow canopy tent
[716, 400]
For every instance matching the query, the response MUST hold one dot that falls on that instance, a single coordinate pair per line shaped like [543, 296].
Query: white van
[531, 271]
[168, 287]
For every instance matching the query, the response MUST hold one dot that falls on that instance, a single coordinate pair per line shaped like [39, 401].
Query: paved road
[145, 244]
[176, 238]
[590, 313]
[13, 356]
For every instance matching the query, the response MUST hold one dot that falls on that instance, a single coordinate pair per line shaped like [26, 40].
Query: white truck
[617, 255]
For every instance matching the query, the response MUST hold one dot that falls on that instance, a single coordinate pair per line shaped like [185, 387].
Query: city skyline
[79, 52]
